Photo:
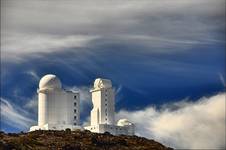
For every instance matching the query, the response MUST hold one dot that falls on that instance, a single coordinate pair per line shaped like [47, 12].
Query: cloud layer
[183, 124]
[186, 125]
[165, 49]
[15, 116]
[159, 26]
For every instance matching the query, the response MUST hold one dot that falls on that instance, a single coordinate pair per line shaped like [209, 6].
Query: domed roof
[50, 81]
[102, 83]
[124, 122]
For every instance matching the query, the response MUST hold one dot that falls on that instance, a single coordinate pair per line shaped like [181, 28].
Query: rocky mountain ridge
[76, 140]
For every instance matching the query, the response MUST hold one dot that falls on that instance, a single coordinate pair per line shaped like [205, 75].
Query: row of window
[75, 111]
[106, 106]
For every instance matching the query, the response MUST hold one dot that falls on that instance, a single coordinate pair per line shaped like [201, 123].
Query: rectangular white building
[57, 109]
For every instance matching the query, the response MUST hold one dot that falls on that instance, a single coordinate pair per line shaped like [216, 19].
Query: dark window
[106, 104]
[75, 110]
[106, 119]
[75, 117]
[106, 114]
[75, 97]
[75, 103]
[105, 99]
[75, 124]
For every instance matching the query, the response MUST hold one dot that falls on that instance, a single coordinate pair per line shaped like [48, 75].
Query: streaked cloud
[33, 74]
[190, 125]
[32, 104]
[15, 116]
[222, 79]
[160, 26]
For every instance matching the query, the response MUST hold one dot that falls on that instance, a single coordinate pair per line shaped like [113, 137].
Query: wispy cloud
[14, 116]
[192, 125]
[162, 26]
[33, 74]
[32, 105]
[222, 79]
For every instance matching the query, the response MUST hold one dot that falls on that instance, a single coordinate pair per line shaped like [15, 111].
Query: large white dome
[50, 81]
[124, 122]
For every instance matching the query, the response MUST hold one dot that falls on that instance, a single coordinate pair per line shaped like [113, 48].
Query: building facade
[103, 112]
[58, 109]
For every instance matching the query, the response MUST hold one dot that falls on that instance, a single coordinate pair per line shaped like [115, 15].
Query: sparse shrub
[13, 134]
[87, 131]
[68, 131]
[94, 140]
[107, 133]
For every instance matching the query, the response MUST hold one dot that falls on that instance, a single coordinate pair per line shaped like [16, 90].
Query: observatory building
[58, 109]
[103, 112]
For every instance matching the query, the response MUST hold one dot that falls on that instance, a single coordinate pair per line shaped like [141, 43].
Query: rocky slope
[76, 140]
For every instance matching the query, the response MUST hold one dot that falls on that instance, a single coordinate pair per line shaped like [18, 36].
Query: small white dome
[102, 83]
[50, 81]
[124, 122]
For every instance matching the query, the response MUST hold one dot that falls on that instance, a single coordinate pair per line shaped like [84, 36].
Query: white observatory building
[103, 112]
[58, 109]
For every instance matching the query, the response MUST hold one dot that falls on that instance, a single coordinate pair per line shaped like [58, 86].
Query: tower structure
[103, 100]
[103, 112]
[58, 109]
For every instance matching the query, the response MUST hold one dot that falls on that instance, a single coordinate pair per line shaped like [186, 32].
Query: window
[106, 114]
[106, 104]
[75, 96]
[106, 119]
[105, 99]
[75, 110]
[75, 103]
[75, 117]
[75, 124]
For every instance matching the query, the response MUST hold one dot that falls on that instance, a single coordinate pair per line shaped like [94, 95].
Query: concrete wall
[103, 106]
[58, 107]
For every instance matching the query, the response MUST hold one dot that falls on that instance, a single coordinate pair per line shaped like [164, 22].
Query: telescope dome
[124, 122]
[50, 81]
[102, 83]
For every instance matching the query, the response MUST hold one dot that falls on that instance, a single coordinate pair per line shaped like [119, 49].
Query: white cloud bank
[183, 125]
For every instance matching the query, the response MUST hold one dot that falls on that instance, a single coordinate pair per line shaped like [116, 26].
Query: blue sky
[161, 55]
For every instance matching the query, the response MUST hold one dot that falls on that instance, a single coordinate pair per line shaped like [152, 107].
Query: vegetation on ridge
[76, 140]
